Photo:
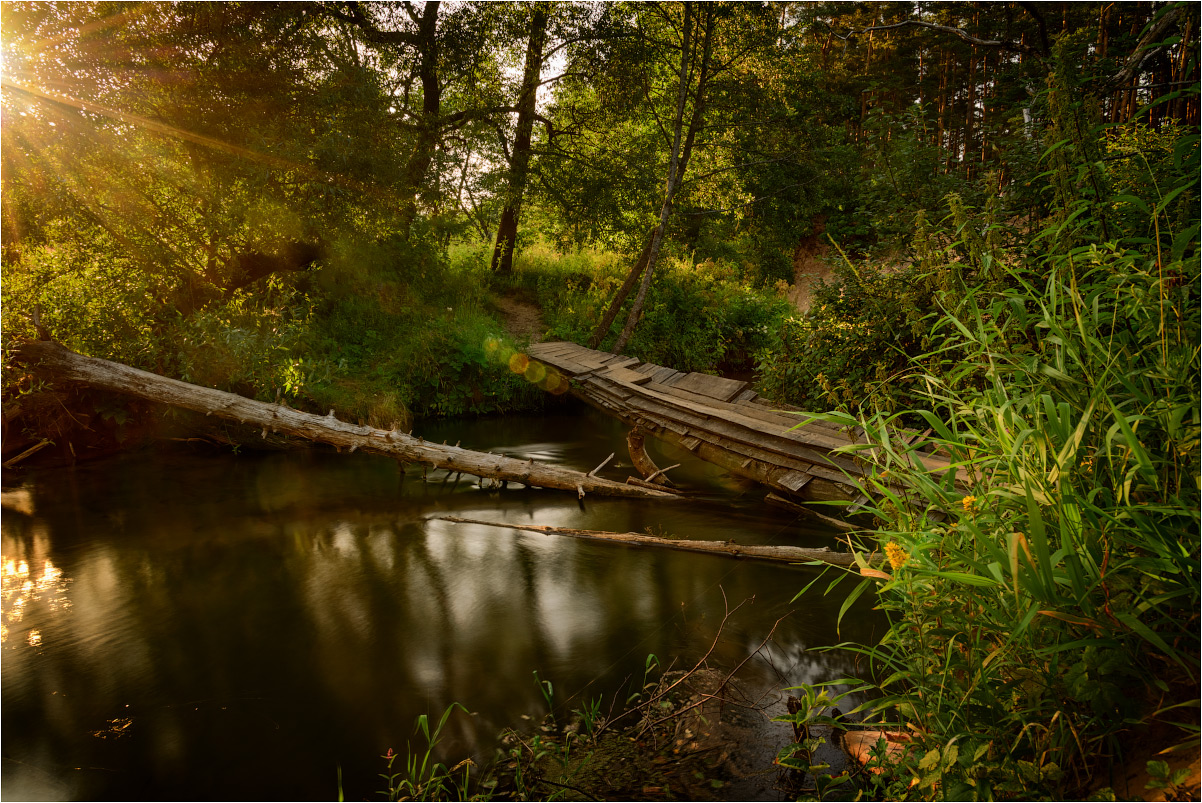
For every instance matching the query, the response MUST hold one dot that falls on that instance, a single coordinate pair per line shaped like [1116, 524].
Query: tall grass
[1056, 606]
[703, 315]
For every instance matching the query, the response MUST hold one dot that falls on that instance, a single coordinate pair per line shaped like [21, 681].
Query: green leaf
[851, 598]
[1152, 637]
[930, 761]
[967, 579]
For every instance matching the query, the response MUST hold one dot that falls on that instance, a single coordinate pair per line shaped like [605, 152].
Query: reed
[1051, 611]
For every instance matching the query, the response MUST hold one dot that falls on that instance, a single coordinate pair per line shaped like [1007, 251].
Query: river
[190, 624]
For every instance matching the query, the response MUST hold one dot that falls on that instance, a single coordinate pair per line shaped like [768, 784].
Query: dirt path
[521, 316]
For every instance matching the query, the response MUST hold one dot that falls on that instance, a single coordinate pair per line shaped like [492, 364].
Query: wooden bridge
[722, 421]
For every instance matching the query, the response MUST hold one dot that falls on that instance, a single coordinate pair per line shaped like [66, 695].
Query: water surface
[204, 625]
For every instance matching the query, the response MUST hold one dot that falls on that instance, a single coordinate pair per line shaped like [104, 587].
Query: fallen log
[53, 361]
[783, 554]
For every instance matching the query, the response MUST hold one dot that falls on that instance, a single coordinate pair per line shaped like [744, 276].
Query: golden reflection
[20, 587]
[114, 728]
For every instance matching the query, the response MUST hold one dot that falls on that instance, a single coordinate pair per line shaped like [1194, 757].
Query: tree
[696, 49]
[190, 137]
[519, 156]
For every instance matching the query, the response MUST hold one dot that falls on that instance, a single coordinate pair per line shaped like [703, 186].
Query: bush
[701, 317]
[90, 301]
[1057, 604]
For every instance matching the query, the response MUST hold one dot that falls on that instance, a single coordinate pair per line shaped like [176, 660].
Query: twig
[31, 450]
[661, 694]
[721, 685]
[661, 472]
[576, 789]
[593, 473]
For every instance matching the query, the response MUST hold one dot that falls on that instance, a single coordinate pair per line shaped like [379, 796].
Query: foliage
[423, 778]
[816, 711]
[1057, 606]
[699, 316]
[853, 348]
[89, 301]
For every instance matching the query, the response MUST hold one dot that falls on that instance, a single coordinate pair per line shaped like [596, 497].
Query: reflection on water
[183, 626]
[21, 590]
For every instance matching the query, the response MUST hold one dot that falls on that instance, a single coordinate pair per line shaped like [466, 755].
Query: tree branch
[1142, 54]
[1015, 47]
[355, 15]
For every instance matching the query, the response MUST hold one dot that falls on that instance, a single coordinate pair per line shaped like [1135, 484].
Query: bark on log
[54, 361]
[781, 554]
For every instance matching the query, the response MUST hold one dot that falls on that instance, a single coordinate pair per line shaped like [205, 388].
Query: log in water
[785, 554]
[54, 361]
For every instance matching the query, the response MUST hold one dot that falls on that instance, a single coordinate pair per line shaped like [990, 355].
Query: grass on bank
[1050, 622]
[381, 332]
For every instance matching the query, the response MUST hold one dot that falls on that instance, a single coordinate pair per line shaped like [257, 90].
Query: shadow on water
[182, 626]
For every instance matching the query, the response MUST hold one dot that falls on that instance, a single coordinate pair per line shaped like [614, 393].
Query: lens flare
[535, 372]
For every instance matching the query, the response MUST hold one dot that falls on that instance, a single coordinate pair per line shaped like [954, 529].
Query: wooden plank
[795, 480]
[690, 442]
[555, 347]
[621, 362]
[789, 408]
[621, 392]
[667, 376]
[713, 386]
[775, 405]
[759, 470]
[781, 421]
[594, 360]
[858, 503]
[571, 369]
[745, 396]
[625, 375]
[796, 456]
[782, 440]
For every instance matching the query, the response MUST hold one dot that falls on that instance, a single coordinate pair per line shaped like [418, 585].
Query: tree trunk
[429, 125]
[507, 231]
[679, 159]
[782, 554]
[53, 361]
[615, 304]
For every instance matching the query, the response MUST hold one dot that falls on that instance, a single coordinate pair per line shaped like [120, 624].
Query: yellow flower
[969, 503]
[897, 555]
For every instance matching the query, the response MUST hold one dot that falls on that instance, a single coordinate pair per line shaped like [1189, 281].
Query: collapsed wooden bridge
[722, 421]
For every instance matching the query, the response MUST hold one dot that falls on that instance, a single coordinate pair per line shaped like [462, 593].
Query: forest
[978, 221]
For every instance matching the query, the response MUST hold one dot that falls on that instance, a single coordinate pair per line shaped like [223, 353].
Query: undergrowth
[1044, 590]
[703, 316]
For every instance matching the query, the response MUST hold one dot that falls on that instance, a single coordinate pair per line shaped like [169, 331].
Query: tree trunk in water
[783, 554]
[53, 361]
[507, 231]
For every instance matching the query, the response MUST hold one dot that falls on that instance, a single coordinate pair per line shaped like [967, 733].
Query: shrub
[701, 317]
[1057, 604]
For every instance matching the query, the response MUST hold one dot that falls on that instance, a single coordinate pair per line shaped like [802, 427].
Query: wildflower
[969, 502]
[897, 555]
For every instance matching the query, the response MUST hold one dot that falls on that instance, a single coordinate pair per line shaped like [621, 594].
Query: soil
[522, 317]
[809, 265]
